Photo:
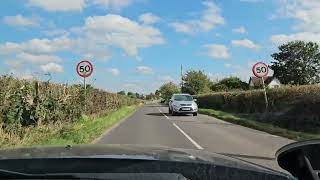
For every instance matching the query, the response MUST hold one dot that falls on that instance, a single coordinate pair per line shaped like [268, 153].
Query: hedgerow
[292, 107]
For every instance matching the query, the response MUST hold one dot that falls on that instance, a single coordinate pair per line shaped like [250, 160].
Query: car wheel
[195, 114]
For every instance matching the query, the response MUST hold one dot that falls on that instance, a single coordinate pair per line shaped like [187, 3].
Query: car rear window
[183, 98]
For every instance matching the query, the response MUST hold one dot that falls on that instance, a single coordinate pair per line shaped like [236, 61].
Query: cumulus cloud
[306, 15]
[38, 58]
[144, 70]
[115, 5]
[246, 43]
[19, 20]
[114, 71]
[148, 18]
[211, 18]
[240, 30]
[121, 32]
[94, 38]
[302, 36]
[52, 68]
[78, 5]
[37, 46]
[59, 5]
[217, 51]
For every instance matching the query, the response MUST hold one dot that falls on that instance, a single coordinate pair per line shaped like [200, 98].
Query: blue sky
[137, 45]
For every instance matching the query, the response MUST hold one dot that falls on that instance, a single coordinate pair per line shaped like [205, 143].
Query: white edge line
[188, 137]
[163, 114]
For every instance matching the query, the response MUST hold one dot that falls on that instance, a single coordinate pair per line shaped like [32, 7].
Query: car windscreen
[183, 98]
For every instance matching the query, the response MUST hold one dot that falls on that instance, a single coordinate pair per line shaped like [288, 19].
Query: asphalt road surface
[152, 125]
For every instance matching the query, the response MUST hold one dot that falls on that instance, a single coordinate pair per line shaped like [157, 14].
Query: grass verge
[83, 131]
[269, 128]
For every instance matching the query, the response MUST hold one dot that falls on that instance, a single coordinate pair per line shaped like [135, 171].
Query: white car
[183, 104]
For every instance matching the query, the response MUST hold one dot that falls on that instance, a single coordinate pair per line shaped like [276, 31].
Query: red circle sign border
[254, 72]
[86, 75]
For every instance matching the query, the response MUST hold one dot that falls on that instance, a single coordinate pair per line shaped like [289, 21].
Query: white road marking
[185, 134]
[188, 137]
[163, 114]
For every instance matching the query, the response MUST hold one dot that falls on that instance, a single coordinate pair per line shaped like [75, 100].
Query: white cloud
[227, 65]
[38, 59]
[114, 71]
[166, 78]
[59, 5]
[303, 36]
[148, 18]
[246, 43]
[305, 12]
[55, 32]
[52, 68]
[115, 5]
[216, 76]
[94, 39]
[19, 20]
[240, 30]
[78, 5]
[144, 70]
[37, 46]
[306, 15]
[211, 17]
[217, 51]
[121, 32]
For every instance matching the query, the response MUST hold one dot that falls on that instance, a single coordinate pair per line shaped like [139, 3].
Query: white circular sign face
[260, 69]
[84, 68]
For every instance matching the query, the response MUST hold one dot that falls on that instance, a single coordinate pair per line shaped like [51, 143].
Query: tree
[168, 89]
[230, 83]
[131, 94]
[195, 82]
[157, 93]
[297, 63]
[122, 92]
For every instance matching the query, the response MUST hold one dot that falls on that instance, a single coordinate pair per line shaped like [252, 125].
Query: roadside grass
[250, 123]
[82, 131]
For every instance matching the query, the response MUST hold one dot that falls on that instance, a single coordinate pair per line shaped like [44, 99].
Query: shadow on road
[167, 114]
[158, 114]
[155, 105]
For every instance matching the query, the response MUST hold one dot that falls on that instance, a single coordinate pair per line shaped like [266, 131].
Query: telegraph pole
[181, 78]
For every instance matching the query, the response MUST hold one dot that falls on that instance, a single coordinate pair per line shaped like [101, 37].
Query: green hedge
[293, 107]
[32, 103]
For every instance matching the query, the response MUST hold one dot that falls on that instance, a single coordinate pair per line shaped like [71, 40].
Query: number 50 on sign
[84, 69]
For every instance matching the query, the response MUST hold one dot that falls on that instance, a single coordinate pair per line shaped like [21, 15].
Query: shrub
[292, 107]
[32, 103]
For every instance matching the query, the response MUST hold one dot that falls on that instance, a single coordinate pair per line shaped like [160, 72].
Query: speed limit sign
[260, 69]
[84, 69]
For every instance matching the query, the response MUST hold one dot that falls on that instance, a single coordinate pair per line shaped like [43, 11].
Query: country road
[152, 125]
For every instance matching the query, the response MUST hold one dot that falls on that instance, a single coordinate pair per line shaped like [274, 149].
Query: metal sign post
[261, 70]
[265, 93]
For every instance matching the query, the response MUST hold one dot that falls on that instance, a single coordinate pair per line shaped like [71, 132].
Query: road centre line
[185, 134]
[188, 137]
[163, 114]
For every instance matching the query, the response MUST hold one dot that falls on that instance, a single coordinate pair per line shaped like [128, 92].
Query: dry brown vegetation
[31, 107]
